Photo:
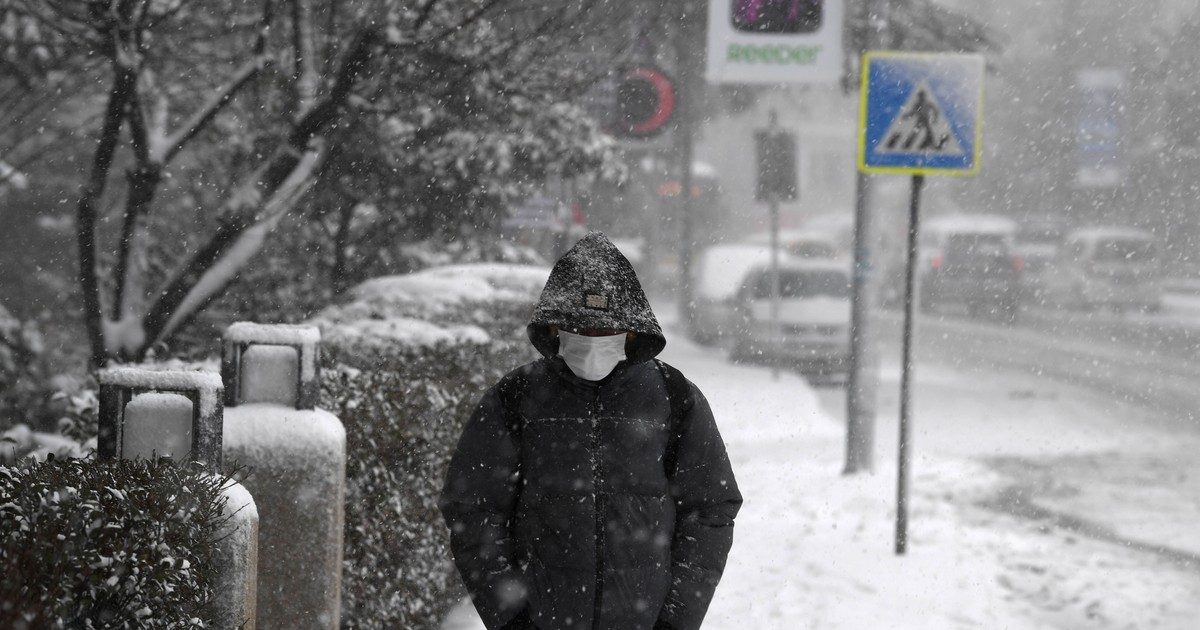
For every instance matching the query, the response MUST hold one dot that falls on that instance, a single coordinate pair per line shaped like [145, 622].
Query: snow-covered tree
[208, 127]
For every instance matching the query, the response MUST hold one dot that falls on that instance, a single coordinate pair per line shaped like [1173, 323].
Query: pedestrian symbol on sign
[920, 113]
[920, 127]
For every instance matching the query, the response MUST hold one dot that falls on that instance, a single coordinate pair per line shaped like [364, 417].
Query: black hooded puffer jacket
[570, 503]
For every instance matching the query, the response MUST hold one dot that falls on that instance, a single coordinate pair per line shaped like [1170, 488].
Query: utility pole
[773, 208]
[863, 382]
[688, 40]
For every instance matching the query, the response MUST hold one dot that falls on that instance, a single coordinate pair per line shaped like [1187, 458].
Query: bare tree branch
[423, 14]
[176, 141]
[266, 182]
[264, 27]
[142, 179]
[304, 73]
[228, 265]
[470, 19]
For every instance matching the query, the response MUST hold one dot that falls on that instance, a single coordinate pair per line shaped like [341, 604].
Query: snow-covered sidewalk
[813, 549]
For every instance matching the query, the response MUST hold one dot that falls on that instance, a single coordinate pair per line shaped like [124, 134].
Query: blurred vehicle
[1115, 267]
[1037, 244]
[838, 227]
[801, 243]
[546, 224]
[720, 273]
[813, 332]
[968, 260]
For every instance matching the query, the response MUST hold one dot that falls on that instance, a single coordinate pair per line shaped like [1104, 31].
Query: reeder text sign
[775, 41]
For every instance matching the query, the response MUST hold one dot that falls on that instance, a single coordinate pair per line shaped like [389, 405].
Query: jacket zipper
[597, 474]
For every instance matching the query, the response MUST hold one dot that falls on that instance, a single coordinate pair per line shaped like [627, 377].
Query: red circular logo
[645, 102]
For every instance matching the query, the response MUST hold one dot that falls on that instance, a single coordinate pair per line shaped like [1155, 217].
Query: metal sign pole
[919, 115]
[775, 291]
[903, 471]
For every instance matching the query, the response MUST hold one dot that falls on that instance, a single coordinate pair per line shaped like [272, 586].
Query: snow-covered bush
[115, 544]
[21, 373]
[75, 434]
[79, 419]
[405, 363]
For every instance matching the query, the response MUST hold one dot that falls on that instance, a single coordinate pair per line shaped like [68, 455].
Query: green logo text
[773, 54]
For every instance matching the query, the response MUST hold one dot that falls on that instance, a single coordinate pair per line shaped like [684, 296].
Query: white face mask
[591, 358]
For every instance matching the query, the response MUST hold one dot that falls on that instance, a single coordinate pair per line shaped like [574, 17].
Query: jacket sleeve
[706, 502]
[478, 501]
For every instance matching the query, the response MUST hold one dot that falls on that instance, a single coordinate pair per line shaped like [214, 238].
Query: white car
[1113, 267]
[800, 243]
[720, 274]
[969, 261]
[813, 330]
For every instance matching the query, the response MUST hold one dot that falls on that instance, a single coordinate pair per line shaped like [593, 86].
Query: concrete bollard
[297, 457]
[179, 414]
[236, 554]
[163, 391]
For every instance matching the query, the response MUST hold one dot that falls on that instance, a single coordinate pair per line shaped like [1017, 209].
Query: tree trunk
[85, 213]
[341, 246]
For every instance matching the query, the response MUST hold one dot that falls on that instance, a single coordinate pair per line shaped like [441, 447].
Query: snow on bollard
[264, 370]
[154, 423]
[273, 363]
[236, 554]
[298, 457]
[157, 424]
[179, 414]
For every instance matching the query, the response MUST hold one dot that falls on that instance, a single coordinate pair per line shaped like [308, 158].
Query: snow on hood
[594, 286]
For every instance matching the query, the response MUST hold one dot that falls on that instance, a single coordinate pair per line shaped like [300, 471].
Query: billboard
[775, 41]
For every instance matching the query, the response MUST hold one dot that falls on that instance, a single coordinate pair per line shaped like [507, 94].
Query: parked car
[1038, 242]
[813, 330]
[800, 243]
[1114, 267]
[968, 260]
[720, 273]
[836, 225]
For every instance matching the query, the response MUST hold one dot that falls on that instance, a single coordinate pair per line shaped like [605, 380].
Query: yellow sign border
[863, 99]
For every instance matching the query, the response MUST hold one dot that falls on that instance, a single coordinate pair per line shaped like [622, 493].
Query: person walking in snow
[591, 488]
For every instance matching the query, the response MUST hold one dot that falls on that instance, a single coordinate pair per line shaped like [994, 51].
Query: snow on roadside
[813, 549]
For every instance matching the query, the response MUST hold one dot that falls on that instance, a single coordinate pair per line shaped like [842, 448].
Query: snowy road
[813, 548]
[1142, 359]
[1096, 431]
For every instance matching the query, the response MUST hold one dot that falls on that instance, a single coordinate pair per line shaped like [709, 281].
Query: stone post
[297, 458]
[179, 414]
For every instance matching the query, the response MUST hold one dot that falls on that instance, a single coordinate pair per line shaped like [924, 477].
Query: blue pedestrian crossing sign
[920, 113]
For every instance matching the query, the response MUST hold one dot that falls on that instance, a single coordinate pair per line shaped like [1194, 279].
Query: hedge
[115, 544]
[403, 370]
